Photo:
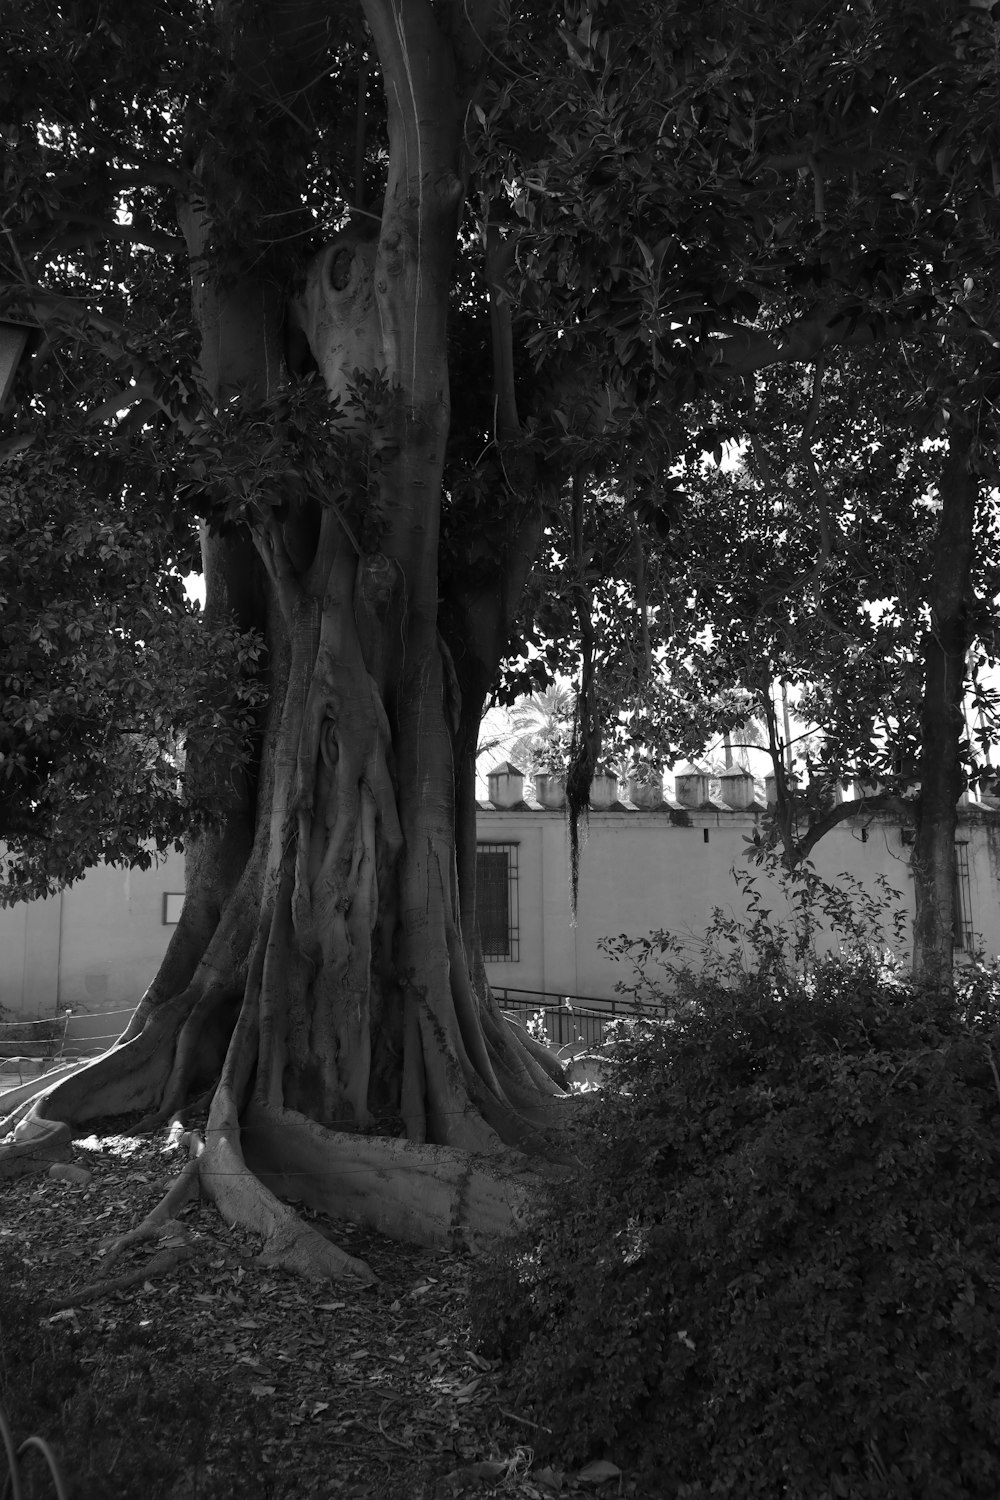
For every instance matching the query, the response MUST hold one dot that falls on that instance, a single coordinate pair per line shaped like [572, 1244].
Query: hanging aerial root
[422, 1194]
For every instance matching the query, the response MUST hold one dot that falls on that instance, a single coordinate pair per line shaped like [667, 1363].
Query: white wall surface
[96, 946]
[641, 871]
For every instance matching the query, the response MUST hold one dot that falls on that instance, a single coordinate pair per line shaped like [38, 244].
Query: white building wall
[95, 947]
[645, 871]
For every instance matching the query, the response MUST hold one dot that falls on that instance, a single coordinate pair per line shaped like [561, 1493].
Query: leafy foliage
[679, 177]
[774, 1272]
[679, 170]
[107, 670]
[773, 948]
[832, 511]
[666, 189]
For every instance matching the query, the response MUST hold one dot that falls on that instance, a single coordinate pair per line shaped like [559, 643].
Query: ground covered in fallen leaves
[224, 1379]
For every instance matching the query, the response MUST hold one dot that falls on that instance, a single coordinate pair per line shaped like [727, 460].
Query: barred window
[965, 937]
[496, 901]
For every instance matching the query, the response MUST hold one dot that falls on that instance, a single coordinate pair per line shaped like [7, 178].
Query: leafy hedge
[777, 1273]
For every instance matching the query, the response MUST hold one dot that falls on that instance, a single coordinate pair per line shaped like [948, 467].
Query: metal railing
[42, 1038]
[44, 1043]
[567, 1018]
[13, 1485]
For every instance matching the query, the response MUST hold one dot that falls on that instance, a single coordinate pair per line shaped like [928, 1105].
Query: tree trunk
[318, 991]
[942, 719]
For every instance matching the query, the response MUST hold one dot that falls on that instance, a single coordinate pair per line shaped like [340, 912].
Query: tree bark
[942, 721]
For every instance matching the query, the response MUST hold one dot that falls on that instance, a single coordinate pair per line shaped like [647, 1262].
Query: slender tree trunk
[942, 719]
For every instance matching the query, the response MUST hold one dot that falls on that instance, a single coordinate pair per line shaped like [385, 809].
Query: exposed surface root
[33, 1145]
[164, 1214]
[429, 1195]
[129, 1077]
[167, 1259]
[159, 1117]
[289, 1243]
[16, 1102]
[242, 1198]
[545, 1058]
[256, 1154]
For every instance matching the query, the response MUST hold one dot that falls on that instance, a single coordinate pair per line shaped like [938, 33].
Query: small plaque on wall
[172, 903]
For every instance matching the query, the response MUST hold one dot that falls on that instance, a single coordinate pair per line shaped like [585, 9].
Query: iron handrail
[567, 1021]
[599, 1004]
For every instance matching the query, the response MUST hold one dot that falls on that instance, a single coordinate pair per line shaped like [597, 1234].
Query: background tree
[817, 564]
[846, 234]
[851, 555]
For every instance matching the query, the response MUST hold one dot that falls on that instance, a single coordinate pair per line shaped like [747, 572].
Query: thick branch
[142, 174]
[882, 802]
[751, 349]
[82, 231]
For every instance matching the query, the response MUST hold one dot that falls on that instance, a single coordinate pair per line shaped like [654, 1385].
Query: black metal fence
[566, 1018]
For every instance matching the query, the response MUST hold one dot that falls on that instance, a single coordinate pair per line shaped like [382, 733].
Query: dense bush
[777, 1272]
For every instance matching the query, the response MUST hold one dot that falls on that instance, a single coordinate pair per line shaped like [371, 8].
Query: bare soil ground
[223, 1379]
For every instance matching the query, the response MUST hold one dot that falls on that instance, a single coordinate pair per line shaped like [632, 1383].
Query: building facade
[667, 865]
[91, 949]
[94, 948]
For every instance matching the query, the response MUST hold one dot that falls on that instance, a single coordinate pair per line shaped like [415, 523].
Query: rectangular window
[965, 937]
[496, 901]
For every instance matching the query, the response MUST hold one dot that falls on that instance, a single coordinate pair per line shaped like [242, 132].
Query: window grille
[496, 901]
[965, 937]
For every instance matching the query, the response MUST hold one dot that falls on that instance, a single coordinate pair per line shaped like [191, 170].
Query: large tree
[372, 289]
[864, 145]
[317, 982]
[851, 556]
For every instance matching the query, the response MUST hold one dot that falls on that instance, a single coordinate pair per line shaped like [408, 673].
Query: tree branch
[883, 802]
[145, 174]
[87, 232]
[802, 342]
[52, 310]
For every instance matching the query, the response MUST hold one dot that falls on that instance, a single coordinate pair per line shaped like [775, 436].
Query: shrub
[776, 1272]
